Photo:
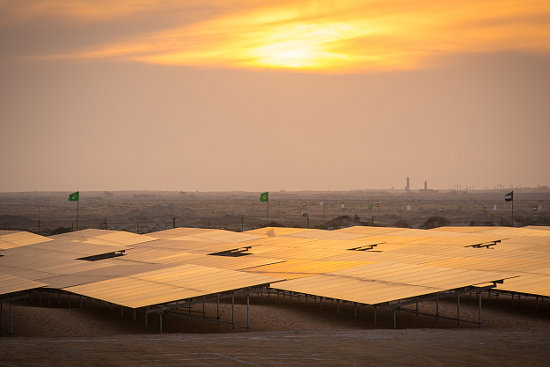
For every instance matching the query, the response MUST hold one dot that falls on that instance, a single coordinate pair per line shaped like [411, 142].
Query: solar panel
[383, 282]
[12, 239]
[362, 264]
[169, 284]
[11, 283]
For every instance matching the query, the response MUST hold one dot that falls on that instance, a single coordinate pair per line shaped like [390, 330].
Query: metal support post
[121, 311]
[233, 312]
[307, 299]
[374, 315]
[355, 310]
[11, 318]
[416, 306]
[338, 307]
[479, 304]
[394, 318]
[134, 314]
[218, 309]
[203, 308]
[146, 314]
[437, 307]
[49, 299]
[160, 321]
[458, 309]
[320, 303]
[248, 312]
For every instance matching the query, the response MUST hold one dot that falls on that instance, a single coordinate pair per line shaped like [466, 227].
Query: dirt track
[420, 347]
[284, 334]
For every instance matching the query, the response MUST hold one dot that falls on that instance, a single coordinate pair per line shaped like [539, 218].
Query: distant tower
[408, 187]
[425, 185]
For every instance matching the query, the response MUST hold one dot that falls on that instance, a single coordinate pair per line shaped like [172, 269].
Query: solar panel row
[369, 265]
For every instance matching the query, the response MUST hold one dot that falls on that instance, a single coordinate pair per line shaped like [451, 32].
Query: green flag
[74, 196]
[264, 197]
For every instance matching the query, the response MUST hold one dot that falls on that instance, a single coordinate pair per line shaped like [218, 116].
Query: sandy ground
[283, 333]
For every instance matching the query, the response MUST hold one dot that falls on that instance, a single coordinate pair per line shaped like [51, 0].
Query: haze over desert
[274, 183]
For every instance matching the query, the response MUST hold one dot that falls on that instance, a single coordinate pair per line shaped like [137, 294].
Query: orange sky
[324, 36]
[338, 80]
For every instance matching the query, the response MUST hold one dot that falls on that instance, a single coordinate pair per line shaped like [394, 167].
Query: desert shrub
[60, 230]
[434, 222]
[401, 223]
[339, 222]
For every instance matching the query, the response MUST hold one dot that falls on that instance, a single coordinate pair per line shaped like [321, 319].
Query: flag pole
[77, 205]
[265, 197]
[512, 209]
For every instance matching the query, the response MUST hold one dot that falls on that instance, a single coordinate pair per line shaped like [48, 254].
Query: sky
[273, 95]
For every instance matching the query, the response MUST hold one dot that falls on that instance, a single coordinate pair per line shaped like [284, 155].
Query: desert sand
[282, 333]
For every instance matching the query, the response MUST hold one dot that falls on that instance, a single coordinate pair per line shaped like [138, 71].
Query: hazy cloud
[328, 36]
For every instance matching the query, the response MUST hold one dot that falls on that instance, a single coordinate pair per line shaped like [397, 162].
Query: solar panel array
[369, 265]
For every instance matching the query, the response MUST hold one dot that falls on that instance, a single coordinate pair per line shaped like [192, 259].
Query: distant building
[425, 189]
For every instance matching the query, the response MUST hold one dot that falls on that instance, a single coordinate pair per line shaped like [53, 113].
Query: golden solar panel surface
[11, 239]
[383, 282]
[177, 232]
[536, 284]
[220, 236]
[105, 237]
[11, 283]
[79, 248]
[524, 250]
[168, 285]
[274, 231]
[362, 264]
[303, 267]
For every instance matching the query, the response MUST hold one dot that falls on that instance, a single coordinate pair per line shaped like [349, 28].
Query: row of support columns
[395, 307]
[218, 314]
[437, 315]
